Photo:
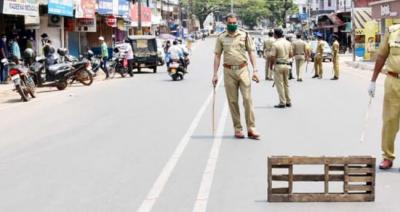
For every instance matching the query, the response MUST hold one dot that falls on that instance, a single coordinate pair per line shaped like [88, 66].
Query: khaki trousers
[300, 59]
[268, 71]
[236, 80]
[335, 61]
[391, 116]
[318, 65]
[281, 76]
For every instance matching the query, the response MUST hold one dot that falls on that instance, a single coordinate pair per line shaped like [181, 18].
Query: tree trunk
[284, 14]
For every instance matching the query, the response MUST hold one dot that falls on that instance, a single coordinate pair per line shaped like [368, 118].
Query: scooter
[50, 75]
[119, 64]
[176, 70]
[21, 78]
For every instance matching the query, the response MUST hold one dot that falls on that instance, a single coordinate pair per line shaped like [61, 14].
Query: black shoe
[335, 78]
[289, 105]
[315, 76]
[279, 106]
[299, 80]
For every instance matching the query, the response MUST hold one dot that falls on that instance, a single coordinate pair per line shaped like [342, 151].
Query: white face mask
[4, 39]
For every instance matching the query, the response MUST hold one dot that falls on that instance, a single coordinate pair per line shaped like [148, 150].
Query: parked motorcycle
[21, 78]
[50, 75]
[94, 60]
[119, 64]
[176, 70]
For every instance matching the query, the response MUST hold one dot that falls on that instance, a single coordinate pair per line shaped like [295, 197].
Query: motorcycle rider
[185, 58]
[175, 52]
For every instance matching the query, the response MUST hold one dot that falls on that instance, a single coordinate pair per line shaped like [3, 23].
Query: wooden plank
[336, 168]
[280, 166]
[269, 171]
[346, 179]
[280, 191]
[322, 198]
[326, 179]
[360, 179]
[308, 177]
[359, 188]
[360, 170]
[282, 160]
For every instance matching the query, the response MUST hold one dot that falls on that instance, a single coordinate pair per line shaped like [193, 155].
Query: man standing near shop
[267, 54]
[235, 44]
[319, 55]
[335, 58]
[389, 54]
[3, 55]
[280, 55]
[300, 55]
[104, 56]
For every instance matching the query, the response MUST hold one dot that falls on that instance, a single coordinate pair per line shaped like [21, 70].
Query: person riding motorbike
[175, 53]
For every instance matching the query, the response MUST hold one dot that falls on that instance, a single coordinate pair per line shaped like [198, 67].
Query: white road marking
[208, 175]
[166, 172]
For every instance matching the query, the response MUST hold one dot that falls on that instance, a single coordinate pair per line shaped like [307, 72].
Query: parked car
[327, 55]
[144, 52]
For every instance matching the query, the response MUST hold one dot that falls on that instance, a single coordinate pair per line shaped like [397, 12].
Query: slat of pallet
[321, 160]
[336, 168]
[360, 179]
[280, 166]
[359, 188]
[321, 198]
[361, 170]
[290, 179]
[308, 177]
[269, 193]
[346, 179]
[280, 191]
[326, 178]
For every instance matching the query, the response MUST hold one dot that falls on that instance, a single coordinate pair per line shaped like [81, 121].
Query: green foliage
[252, 11]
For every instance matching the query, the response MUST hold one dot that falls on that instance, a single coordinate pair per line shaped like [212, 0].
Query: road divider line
[208, 174]
[159, 184]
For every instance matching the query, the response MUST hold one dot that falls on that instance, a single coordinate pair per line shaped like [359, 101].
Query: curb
[360, 65]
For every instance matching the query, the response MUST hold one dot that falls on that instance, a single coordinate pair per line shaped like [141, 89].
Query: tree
[202, 8]
[252, 11]
[279, 10]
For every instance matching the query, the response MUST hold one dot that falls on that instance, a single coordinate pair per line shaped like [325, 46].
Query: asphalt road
[146, 144]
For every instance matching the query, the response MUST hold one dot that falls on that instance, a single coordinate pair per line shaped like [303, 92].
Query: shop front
[386, 12]
[367, 37]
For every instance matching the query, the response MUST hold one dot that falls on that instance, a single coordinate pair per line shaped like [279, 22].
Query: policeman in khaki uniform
[335, 60]
[300, 55]
[267, 55]
[281, 53]
[389, 52]
[235, 44]
[319, 57]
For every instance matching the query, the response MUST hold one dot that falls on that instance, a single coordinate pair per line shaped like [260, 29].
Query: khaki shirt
[390, 49]
[335, 48]
[320, 47]
[235, 47]
[299, 47]
[268, 45]
[281, 50]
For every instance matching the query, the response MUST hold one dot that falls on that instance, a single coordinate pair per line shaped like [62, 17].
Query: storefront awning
[361, 17]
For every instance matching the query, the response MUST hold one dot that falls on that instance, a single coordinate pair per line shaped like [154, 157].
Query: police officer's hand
[371, 89]
[215, 80]
[255, 77]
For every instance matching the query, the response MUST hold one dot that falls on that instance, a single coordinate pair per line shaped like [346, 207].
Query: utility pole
[140, 16]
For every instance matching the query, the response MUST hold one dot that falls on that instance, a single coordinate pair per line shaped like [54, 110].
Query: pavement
[146, 143]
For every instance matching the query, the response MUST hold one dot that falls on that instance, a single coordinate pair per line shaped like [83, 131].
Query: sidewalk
[358, 64]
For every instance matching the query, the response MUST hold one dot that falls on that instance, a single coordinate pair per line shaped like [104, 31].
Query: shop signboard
[85, 9]
[145, 16]
[123, 8]
[61, 7]
[21, 7]
[85, 25]
[105, 7]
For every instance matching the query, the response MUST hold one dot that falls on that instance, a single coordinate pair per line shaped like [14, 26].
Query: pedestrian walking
[389, 53]
[104, 56]
[235, 44]
[300, 55]
[267, 55]
[15, 51]
[319, 57]
[335, 58]
[281, 54]
[3, 55]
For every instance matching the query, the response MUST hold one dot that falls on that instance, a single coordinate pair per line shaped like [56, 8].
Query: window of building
[329, 3]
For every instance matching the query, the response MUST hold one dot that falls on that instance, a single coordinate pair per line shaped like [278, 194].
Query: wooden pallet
[356, 172]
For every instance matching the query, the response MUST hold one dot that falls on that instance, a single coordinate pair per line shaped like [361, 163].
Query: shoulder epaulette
[394, 28]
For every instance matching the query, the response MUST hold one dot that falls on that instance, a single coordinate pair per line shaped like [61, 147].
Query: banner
[105, 7]
[146, 16]
[123, 8]
[85, 9]
[61, 7]
[21, 7]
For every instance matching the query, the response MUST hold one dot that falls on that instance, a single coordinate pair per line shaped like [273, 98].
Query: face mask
[4, 39]
[232, 27]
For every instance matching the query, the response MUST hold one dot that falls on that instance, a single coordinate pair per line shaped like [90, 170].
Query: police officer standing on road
[389, 52]
[335, 59]
[319, 57]
[267, 54]
[300, 55]
[235, 43]
[280, 55]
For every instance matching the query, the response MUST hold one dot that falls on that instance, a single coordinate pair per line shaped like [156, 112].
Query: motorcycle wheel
[31, 87]
[62, 85]
[122, 73]
[21, 90]
[130, 73]
[85, 77]
[155, 69]
[174, 77]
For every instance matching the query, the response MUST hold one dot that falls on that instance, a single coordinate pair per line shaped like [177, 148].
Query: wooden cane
[366, 118]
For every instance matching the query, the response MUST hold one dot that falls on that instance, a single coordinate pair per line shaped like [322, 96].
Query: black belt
[281, 63]
[394, 74]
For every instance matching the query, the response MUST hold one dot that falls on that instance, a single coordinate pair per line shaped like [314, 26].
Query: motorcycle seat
[55, 69]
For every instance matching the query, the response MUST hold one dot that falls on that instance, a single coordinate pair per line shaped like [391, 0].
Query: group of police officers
[235, 45]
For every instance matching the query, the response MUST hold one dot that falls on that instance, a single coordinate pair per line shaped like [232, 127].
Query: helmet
[62, 51]
[90, 53]
[29, 55]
